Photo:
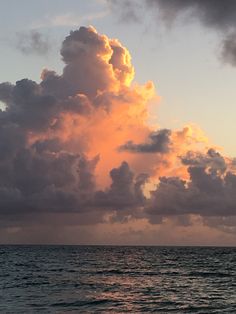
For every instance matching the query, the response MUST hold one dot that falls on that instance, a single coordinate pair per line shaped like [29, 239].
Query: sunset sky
[117, 122]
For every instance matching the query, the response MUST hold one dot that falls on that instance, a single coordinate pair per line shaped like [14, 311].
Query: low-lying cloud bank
[76, 150]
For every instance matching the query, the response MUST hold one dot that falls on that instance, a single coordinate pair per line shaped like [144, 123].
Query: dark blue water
[79, 279]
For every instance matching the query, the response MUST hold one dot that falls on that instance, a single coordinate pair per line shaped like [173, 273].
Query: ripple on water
[117, 279]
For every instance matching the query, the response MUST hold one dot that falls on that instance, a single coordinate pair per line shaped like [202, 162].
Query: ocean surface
[105, 279]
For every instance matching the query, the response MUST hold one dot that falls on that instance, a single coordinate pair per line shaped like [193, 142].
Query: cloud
[212, 13]
[215, 14]
[76, 150]
[228, 52]
[33, 42]
[211, 159]
[128, 12]
[69, 19]
[209, 192]
[159, 142]
[125, 191]
[47, 159]
[218, 15]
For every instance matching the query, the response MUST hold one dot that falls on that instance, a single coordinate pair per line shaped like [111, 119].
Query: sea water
[119, 279]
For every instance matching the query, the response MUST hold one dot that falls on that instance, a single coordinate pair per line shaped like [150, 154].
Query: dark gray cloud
[37, 182]
[210, 192]
[6, 92]
[225, 224]
[212, 159]
[215, 14]
[158, 142]
[42, 176]
[125, 190]
[229, 49]
[33, 42]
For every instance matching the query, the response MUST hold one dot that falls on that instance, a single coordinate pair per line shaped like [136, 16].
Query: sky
[117, 122]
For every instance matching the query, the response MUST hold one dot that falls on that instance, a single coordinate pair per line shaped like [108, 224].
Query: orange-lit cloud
[77, 149]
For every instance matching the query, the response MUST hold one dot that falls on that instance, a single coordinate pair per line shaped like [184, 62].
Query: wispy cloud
[32, 42]
[69, 19]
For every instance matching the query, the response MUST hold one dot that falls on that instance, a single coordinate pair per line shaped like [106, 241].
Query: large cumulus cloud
[94, 64]
[44, 142]
[76, 148]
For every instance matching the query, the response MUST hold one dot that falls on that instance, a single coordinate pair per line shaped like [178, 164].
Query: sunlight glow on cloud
[78, 145]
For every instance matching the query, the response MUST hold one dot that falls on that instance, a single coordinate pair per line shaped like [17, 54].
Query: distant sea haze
[106, 279]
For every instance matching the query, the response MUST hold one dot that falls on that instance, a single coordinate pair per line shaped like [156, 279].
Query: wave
[79, 303]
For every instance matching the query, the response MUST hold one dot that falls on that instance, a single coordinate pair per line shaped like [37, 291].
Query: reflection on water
[61, 279]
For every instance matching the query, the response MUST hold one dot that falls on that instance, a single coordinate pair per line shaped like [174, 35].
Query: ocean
[117, 279]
